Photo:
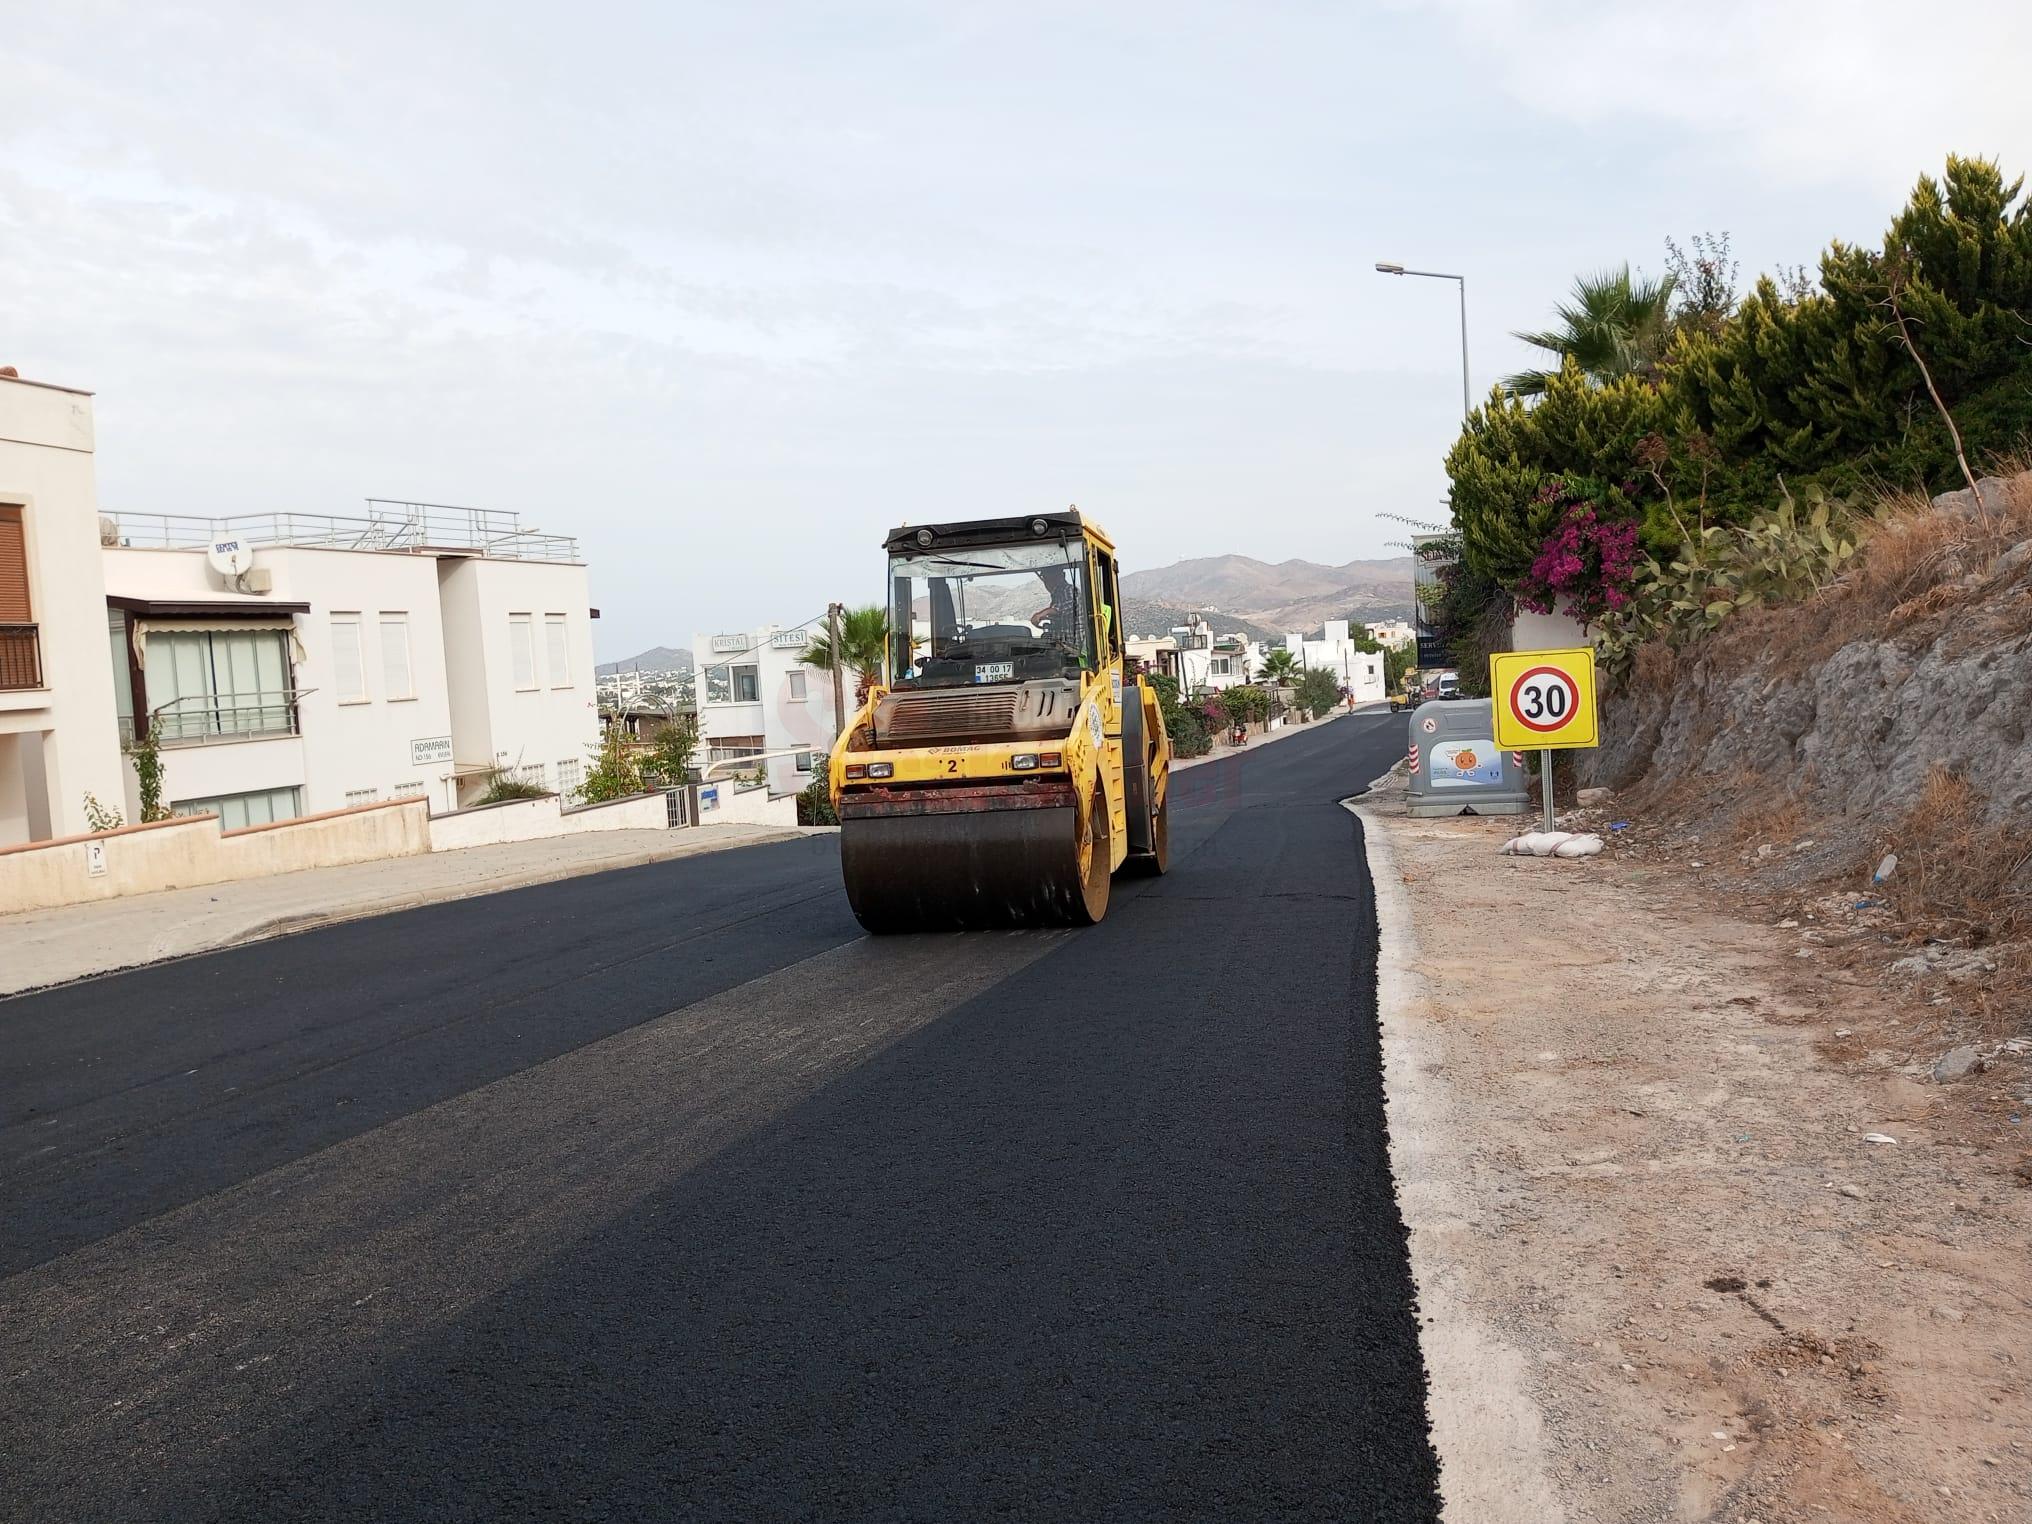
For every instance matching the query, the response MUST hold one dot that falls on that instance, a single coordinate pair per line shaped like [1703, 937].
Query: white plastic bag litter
[1553, 844]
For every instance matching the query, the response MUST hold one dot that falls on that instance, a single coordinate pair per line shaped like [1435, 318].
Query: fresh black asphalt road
[665, 1193]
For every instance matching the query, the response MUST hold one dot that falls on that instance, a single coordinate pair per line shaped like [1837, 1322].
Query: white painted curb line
[1486, 1426]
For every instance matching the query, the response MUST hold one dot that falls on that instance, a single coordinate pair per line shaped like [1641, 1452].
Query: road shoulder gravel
[1635, 1157]
[1485, 1424]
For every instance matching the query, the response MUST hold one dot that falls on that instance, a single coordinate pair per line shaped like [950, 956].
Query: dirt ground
[1758, 1264]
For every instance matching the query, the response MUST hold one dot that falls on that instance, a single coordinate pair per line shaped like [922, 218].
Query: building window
[349, 666]
[1218, 666]
[396, 682]
[522, 651]
[410, 791]
[570, 773]
[123, 675]
[358, 796]
[732, 748]
[557, 650]
[237, 811]
[802, 761]
[797, 693]
[727, 684]
[208, 683]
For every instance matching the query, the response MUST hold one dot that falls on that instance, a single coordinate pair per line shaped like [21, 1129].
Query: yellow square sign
[1544, 700]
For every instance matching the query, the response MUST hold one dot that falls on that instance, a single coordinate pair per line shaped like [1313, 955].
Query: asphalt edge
[1486, 1426]
[292, 925]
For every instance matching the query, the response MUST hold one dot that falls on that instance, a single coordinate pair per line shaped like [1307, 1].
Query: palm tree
[864, 641]
[1614, 325]
[1280, 665]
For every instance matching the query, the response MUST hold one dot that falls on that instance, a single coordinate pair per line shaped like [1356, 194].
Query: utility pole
[832, 615]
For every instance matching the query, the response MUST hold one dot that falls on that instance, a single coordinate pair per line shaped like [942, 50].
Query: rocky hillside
[1922, 659]
[1149, 617]
[1864, 758]
[655, 659]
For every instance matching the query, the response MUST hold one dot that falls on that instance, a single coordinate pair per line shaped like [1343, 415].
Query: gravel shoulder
[1715, 1296]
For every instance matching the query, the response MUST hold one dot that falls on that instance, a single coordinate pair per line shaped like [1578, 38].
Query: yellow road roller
[1010, 762]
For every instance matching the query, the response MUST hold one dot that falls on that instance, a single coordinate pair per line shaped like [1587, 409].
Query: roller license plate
[994, 671]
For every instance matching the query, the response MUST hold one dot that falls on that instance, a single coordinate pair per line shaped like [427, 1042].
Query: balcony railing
[212, 718]
[384, 526]
[20, 657]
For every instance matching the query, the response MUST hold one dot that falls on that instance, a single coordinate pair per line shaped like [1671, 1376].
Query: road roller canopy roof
[1024, 527]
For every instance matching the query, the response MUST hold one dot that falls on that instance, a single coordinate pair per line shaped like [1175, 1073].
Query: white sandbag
[1552, 844]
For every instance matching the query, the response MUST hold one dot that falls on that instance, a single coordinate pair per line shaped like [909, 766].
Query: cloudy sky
[726, 290]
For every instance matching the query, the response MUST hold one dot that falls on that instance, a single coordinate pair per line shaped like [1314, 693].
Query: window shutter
[522, 650]
[349, 676]
[13, 568]
[558, 652]
[395, 679]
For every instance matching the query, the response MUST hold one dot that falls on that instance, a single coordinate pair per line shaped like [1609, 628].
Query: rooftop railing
[386, 525]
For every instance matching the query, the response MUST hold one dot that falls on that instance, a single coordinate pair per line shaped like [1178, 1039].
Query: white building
[1207, 662]
[1396, 634]
[58, 740]
[757, 698]
[410, 650]
[1359, 672]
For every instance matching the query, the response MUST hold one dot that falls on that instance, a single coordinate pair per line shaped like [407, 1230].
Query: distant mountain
[1287, 595]
[1146, 617]
[655, 659]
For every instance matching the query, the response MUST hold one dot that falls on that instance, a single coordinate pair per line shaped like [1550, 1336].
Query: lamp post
[1385, 268]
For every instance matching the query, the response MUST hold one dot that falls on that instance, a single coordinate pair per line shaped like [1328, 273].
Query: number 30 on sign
[1543, 700]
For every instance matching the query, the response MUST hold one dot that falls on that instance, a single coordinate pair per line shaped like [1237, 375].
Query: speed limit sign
[1544, 700]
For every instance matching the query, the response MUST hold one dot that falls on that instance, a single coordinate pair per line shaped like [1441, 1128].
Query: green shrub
[616, 771]
[1781, 556]
[815, 804]
[1191, 733]
[1318, 692]
[1794, 388]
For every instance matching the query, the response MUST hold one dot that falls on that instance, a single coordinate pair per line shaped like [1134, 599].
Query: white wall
[1547, 632]
[141, 859]
[534, 819]
[354, 747]
[493, 722]
[65, 739]
[755, 806]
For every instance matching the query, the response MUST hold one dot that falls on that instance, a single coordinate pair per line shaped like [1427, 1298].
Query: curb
[1486, 1425]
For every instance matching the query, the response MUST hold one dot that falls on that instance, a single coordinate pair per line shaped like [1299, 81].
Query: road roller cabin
[1011, 764]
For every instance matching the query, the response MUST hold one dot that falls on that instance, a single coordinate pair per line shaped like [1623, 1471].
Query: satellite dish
[231, 558]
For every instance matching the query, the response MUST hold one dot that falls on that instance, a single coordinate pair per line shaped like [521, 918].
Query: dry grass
[1917, 562]
[1656, 666]
[1959, 876]
[1779, 819]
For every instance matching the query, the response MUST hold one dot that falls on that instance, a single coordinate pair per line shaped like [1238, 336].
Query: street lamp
[1385, 268]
